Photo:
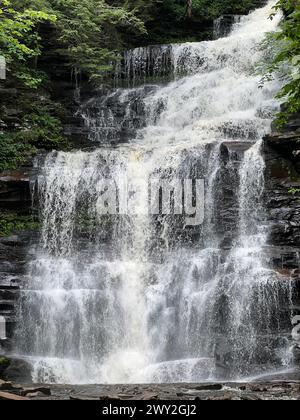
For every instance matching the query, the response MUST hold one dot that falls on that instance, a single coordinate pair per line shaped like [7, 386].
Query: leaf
[296, 76]
[296, 60]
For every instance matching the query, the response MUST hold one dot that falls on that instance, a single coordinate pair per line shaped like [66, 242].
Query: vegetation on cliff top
[286, 62]
[90, 33]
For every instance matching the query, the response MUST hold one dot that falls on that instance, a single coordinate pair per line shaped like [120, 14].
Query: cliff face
[15, 205]
[283, 175]
[282, 157]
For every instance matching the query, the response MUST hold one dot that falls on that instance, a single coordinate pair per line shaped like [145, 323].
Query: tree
[287, 58]
[19, 39]
[189, 9]
[90, 33]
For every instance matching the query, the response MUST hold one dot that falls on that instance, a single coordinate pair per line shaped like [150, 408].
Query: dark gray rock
[223, 25]
[15, 199]
[18, 371]
[282, 158]
[15, 189]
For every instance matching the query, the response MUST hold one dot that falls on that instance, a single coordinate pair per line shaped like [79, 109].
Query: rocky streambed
[270, 390]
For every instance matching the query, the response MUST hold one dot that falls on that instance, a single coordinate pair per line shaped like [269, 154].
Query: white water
[219, 29]
[127, 299]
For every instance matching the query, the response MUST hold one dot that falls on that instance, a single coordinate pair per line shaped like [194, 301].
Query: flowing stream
[137, 298]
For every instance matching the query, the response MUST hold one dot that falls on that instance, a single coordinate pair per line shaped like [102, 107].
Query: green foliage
[90, 33]
[41, 129]
[206, 9]
[12, 152]
[294, 191]
[212, 9]
[11, 223]
[286, 61]
[19, 39]
[168, 21]
[4, 362]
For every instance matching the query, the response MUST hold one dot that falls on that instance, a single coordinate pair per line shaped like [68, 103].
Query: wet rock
[18, 371]
[145, 397]
[296, 354]
[35, 395]
[209, 387]
[13, 241]
[224, 24]
[4, 363]
[4, 385]
[11, 397]
[255, 388]
[104, 116]
[13, 259]
[286, 144]
[250, 397]
[225, 397]
[280, 390]
[283, 174]
[82, 398]
[42, 391]
[15, 189]
[153, 61]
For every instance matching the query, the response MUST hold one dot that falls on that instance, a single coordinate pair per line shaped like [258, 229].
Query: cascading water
[223, 25]
[137, 298]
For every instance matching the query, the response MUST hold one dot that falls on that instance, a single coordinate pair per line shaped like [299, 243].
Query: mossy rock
[4, 364]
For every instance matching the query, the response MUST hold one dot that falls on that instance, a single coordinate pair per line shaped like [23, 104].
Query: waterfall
[141, 64]
[223, 25]
[134, 297]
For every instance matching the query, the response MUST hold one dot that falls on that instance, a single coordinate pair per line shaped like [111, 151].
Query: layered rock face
[15, 198]
[282, 157]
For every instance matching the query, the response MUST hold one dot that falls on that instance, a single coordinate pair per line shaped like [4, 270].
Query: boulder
[18, 371]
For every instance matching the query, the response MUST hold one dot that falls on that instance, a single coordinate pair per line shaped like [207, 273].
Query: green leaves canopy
[287, 57]
[90, 32]
[19, 39]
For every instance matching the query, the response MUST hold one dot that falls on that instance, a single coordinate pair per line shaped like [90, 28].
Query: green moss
[11, 223]
[4, 362]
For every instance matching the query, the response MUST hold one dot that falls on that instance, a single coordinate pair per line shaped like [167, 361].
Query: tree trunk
[189, 9]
